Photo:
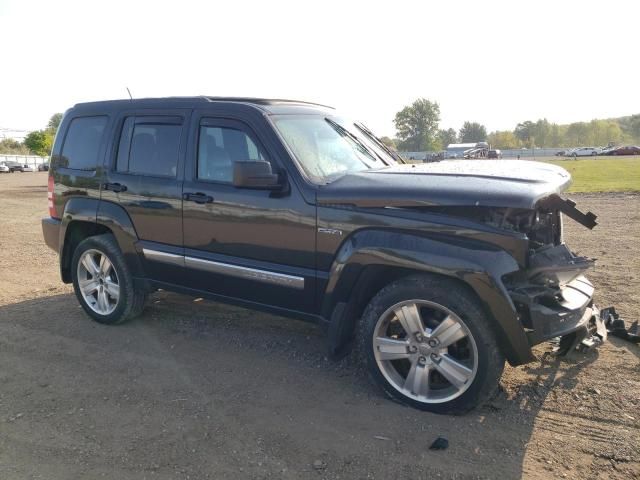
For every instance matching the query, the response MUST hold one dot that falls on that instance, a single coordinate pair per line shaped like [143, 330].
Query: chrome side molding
[264, 276]
[164, 257]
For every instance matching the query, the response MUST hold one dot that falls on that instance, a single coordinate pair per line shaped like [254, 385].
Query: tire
[574, 155]
[473, 359]
[104, 281]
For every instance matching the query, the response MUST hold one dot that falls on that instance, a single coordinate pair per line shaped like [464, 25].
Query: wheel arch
[86, 217]
[368, 262]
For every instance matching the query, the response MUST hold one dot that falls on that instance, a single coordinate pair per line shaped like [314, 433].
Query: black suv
[436, 273]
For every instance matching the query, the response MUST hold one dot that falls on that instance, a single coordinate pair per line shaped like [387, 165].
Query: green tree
[634, 128]
[13, 147]
[417, 126]
[472, 132]
[54, 122]
[389, 142]
[503, 139]
[39, 142]
[542, 133]
[556, 136]
[577, 134]
[602, 132]
[447, 136]
[525, 133]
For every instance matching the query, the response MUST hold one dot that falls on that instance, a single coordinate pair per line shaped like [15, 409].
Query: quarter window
[219, 147]
[82, 143]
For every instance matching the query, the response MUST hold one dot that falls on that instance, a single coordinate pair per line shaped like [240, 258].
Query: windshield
[328, 147]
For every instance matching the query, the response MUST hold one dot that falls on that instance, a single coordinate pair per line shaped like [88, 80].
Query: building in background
[13, 134]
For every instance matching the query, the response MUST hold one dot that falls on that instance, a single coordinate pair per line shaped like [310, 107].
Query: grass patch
[602, 174]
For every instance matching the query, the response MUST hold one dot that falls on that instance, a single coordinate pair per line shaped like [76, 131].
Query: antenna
[129, 92]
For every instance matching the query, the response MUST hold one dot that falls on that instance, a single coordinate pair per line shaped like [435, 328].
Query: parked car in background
[607, 150]
[584, 152]
[43, 167]
[4, 168]
[28, 168]
[494, 154]
[562, 153]
[624, 150]
[14, 166]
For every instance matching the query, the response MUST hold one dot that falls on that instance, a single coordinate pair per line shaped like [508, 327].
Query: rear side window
[219, 147]
[149, 147]
[82, 143]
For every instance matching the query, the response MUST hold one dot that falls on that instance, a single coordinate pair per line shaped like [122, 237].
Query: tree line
[418, 129]
[38, 142]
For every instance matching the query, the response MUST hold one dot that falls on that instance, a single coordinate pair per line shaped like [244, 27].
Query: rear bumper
[51, 233]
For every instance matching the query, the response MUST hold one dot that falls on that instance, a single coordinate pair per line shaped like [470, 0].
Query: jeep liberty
[435, 274]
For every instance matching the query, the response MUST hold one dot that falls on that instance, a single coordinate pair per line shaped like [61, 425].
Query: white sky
[496, 62]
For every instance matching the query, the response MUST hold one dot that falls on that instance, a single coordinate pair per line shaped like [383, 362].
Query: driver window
[219, 147]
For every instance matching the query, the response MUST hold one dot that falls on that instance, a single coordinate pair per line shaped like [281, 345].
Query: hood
[492, 183]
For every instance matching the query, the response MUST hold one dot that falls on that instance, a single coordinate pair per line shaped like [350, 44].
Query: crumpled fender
[477, 264]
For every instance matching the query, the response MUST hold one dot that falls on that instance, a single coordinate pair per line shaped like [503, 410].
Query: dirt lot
[197, 390]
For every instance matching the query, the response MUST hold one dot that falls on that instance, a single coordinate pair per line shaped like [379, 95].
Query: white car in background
[28, 168]
[4, 168]
[584, 152]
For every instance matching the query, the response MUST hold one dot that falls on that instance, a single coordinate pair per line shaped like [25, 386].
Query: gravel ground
[194, 389]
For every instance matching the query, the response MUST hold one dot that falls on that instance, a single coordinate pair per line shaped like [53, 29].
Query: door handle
[197, 197]
[115, 187]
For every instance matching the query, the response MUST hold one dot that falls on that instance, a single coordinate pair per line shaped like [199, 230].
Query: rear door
[144, 177]
[255, 245]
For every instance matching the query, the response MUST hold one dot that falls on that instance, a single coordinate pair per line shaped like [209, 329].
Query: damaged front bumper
[554, 299]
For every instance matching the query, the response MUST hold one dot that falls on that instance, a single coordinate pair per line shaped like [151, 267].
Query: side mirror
[254, 174]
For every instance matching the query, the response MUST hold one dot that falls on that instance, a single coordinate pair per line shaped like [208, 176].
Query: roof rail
[263, 101]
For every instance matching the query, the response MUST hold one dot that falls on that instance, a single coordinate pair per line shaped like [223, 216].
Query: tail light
[51, 198]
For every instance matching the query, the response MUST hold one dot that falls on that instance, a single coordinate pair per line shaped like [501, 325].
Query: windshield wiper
[379, 142]
[343, 131]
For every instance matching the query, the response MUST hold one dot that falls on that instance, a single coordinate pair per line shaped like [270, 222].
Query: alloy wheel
[98, 282]
[425, 351]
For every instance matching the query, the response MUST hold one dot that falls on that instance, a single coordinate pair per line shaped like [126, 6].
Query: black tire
[456, 298]
[131, 301]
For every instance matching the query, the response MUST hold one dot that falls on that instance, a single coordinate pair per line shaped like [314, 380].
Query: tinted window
[149, 148]
[82, 143]
[219, 147]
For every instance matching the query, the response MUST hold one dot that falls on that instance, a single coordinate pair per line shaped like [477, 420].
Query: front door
[255, 245]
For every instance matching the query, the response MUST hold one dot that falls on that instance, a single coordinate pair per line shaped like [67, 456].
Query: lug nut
[434, 356]
[413, 349]
[433, 342]
[419, 337]
[422, 360]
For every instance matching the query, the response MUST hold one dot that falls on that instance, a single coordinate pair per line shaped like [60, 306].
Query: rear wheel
[102, 281]
[427, 342]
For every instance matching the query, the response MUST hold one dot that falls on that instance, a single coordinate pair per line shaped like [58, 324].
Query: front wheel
[428, 343]
[102, 281]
